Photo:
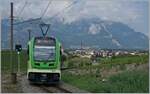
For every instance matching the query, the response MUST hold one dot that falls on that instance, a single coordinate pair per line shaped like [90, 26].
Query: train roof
[51, 37]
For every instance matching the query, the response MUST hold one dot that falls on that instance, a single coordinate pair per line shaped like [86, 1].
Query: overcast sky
[131, 12]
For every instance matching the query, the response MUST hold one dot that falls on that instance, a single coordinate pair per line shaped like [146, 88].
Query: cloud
[34, 8]
[132, 12]
[105, 9]
[94, 29]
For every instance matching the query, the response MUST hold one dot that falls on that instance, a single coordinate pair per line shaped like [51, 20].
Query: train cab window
[44, 53]
[44, 49]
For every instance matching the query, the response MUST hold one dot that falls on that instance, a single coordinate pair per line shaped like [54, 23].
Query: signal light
[18, 47]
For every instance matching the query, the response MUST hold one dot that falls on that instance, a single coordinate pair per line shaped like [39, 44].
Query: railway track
[55, 89]
[60, 88]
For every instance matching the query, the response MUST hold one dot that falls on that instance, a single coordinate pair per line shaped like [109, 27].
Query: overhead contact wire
[21, 11]
[46, 9]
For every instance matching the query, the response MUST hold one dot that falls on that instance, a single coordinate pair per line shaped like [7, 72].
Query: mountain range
[91, 32]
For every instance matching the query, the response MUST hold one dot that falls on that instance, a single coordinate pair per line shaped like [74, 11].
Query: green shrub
[126, 82]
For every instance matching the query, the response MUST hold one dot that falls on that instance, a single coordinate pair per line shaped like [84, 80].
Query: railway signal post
[18, 48]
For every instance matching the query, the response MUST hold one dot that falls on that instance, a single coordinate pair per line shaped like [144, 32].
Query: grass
[127, 82]
[135, 81]
[7, 86]
[6, 63]
[125, 59]
[130, 81]
[79, 62]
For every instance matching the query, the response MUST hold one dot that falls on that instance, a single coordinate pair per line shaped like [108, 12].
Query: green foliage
[121, 61]
[122, 66]
[98, 74]
[124, 60]
[63, 57]
[130, 81]
[79, 62]
[70, 56]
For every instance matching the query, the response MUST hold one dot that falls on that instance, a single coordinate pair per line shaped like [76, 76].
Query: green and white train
[44, 60]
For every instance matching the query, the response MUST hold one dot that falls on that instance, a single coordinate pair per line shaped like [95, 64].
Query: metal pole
[29, 34]
[18, 62]
[13, 75]
[81, 47]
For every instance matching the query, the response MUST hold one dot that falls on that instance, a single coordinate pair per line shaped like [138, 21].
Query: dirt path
[28, 88]
[7, 86]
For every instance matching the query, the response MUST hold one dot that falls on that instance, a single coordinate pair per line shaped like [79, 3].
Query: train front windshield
[44, 52]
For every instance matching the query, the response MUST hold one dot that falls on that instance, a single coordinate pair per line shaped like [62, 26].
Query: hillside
[93, 32]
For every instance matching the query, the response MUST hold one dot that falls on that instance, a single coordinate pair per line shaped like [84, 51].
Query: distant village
[105, 53]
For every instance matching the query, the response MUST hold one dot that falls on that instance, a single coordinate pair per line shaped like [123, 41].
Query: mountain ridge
[93, 32]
